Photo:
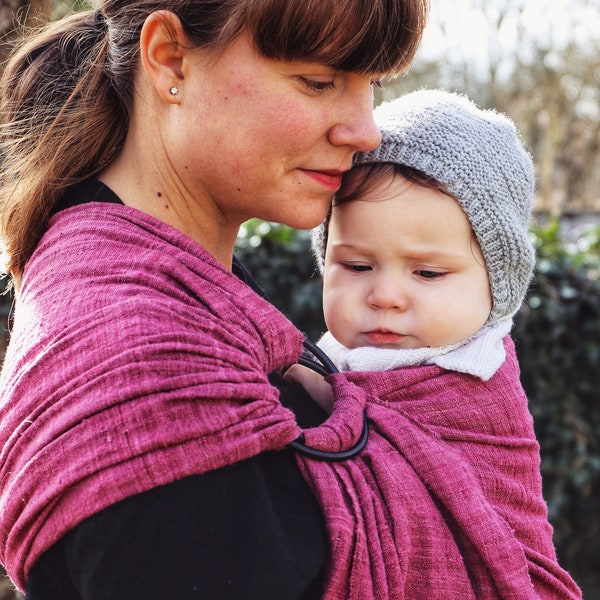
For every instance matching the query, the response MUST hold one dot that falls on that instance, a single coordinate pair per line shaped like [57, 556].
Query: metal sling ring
[325, 366]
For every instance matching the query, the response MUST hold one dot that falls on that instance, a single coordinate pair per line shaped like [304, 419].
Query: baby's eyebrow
[354, 248]
[425, 253]
[435, 255]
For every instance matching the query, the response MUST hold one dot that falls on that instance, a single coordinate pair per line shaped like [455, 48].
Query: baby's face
[403, 270]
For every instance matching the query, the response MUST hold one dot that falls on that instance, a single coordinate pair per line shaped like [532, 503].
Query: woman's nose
[356, 127]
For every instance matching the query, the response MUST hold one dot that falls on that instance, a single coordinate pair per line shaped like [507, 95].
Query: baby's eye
[376, 83]
[356, 267]
[316, 85]
[427, 274]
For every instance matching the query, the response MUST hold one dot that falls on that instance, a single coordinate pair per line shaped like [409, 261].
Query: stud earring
[174, 90]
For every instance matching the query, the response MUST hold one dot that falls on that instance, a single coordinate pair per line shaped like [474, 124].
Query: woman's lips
[384, 338]
[332, 180]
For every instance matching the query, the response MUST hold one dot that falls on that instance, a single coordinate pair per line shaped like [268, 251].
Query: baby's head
[477, 157]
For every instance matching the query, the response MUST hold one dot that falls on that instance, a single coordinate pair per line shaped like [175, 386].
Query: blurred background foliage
[557, 332]
[539, 61]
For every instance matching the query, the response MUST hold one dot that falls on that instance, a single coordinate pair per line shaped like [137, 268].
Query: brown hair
[357, 183]
[66, 94]
[362, 178]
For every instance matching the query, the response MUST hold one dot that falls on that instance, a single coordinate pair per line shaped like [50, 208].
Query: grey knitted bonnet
[478, 157]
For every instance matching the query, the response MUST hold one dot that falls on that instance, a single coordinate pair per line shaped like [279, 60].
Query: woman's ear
[162, 46]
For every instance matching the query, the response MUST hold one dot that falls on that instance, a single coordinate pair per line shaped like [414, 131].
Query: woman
[145, 450]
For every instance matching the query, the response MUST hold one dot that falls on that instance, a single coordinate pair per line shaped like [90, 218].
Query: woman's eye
[376, 83]
[317, 85]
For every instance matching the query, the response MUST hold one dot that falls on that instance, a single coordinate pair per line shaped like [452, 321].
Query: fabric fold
[136, 359]
[445, 501]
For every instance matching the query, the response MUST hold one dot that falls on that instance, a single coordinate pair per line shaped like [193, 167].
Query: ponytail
[61, 121]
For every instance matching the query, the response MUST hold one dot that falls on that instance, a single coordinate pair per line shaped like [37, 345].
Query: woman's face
[253, 137]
